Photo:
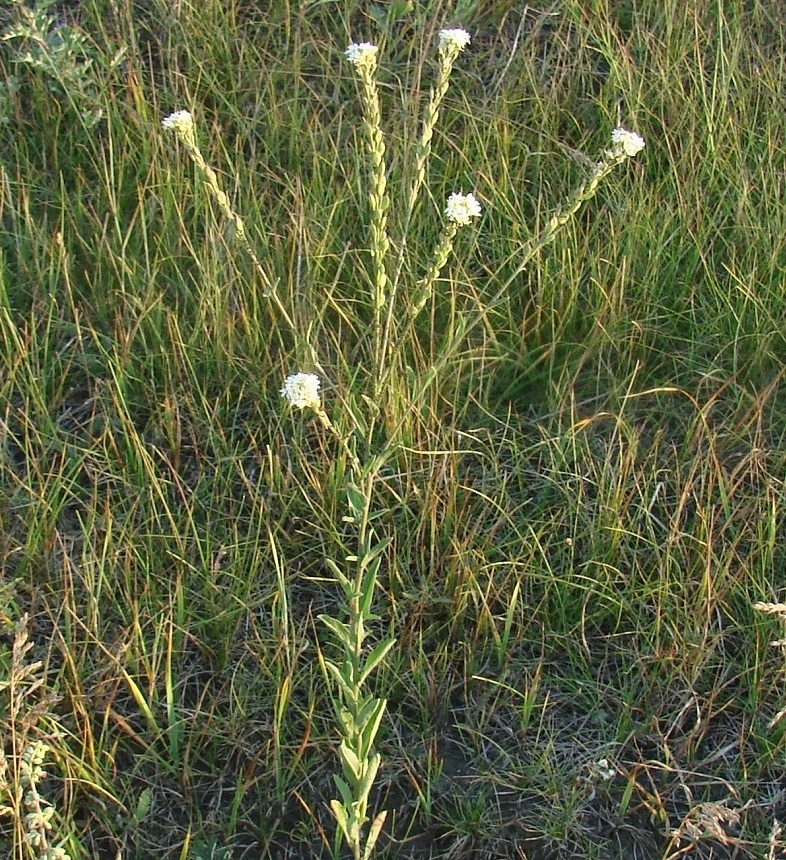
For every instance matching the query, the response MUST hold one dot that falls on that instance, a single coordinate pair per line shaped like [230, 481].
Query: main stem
[379, 204]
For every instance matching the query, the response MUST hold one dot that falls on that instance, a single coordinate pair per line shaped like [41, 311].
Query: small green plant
[590, 483]
[60, 52]
[24, 754]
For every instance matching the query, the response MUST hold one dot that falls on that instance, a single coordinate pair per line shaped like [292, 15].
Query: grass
[588, 500]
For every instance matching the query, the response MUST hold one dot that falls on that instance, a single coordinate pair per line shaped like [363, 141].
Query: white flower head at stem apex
[302, 391]
[363, 55]
[624, 142]
[181, 122]
[455, 40]
[462, 208]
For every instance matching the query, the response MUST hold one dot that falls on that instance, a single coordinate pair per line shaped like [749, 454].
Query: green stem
[240, 229]
[584, 192]
[422, 153]
[379, 202]
[423, 292]
[344, 442]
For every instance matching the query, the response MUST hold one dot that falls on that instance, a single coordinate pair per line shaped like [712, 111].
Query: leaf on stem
[344, 790]
[372, 407]
[368, 732]
[343, 580]
[365, 711]
[376, 656]
[340, 630]
[364, 787]
[353, 766]
[375, 551]
[373, 833]
[356, 500]
[341, 818]
[367, 589]
[346, 689]
[356, 413]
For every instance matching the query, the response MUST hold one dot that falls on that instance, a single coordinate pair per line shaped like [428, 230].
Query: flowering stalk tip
[180, 121]
[363, 55]
[460, 211]
[301, 390]
[453, 40]
[462, 208]
[626, 143]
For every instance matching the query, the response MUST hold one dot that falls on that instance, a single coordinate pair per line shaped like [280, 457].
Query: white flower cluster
[362, 54]
[462, 208]
[301, 390]
[456, 40]
[181, 122]
[624, 142]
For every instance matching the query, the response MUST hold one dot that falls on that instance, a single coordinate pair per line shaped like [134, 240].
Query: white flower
[626, 142]
[462, 208]
[302, 391]
[181, 122]
[605, 770]
[456, 40]
[362, 54]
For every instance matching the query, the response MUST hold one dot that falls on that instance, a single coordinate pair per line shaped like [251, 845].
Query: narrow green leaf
[364, 788]
[350, 760]
[338, 677]
[351, 723]
[376, 656]
[374, 551]
[344, 581]
[367, 706]
[373, 833]
[339, 629]
[356, 500]
[369, 731]
[347, 720]
[372, 408]
[367, 589]
[143, 805]
[344, 790]
[357, 413]
[348, 673]
[341, 818]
